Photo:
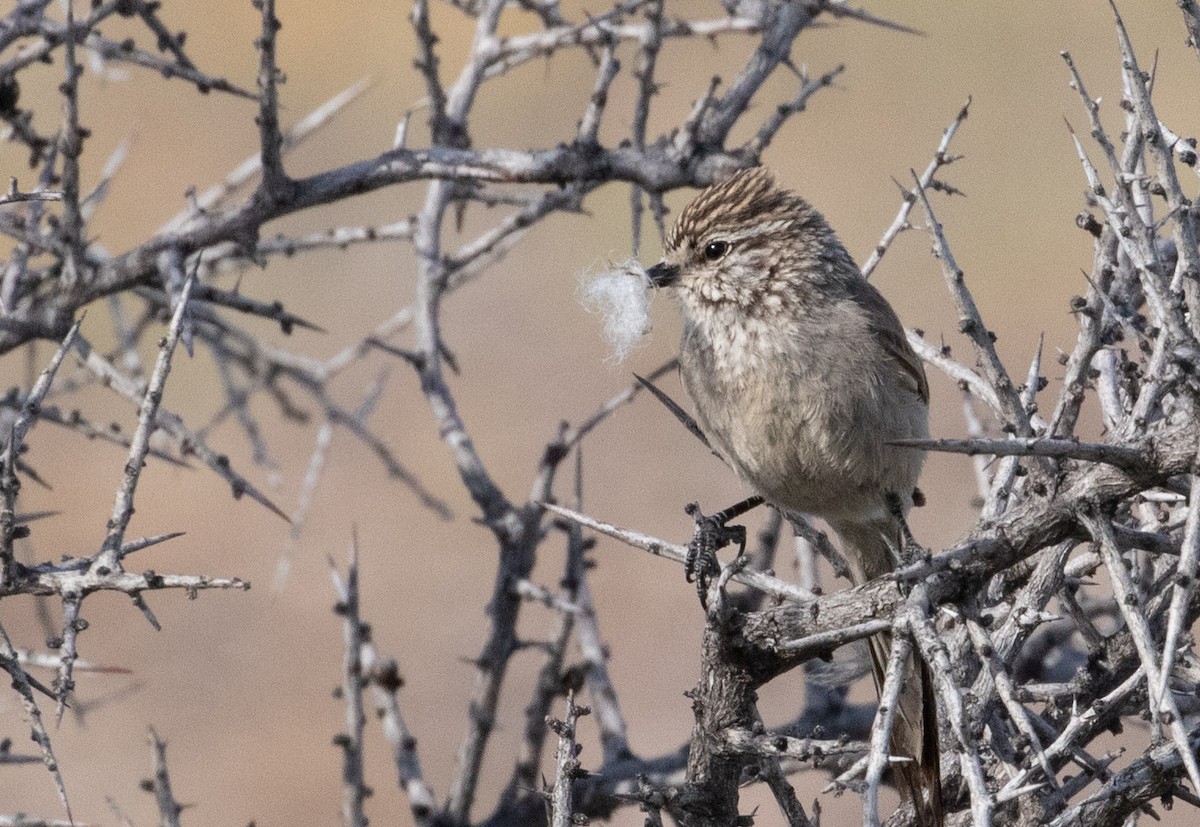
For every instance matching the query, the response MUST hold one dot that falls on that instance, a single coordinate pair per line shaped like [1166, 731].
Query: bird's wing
[886, 328]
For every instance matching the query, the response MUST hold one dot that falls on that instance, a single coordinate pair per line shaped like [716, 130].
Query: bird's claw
[711, 534]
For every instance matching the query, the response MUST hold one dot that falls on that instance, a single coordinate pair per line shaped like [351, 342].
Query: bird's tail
[914, 734]
[869, 551]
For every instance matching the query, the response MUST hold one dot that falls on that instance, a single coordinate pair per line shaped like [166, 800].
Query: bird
[801, 376]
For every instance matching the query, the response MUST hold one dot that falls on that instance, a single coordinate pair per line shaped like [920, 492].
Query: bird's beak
[663, 274]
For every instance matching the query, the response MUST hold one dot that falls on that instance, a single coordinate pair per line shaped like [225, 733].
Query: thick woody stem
[723, 699]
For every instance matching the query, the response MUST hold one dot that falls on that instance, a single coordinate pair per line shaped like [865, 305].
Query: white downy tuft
[621, 295]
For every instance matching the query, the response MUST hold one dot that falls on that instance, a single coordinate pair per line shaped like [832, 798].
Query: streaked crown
[746, 205]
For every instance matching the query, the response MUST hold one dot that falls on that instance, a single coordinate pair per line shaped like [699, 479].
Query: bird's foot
[711, 534]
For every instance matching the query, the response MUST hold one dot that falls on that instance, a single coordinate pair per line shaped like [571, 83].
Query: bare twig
[881, 730]
[354, 788]
[160, 785]
[566, 761]
[24, 685]
[926, 179]
[660, 548]
[971, 323]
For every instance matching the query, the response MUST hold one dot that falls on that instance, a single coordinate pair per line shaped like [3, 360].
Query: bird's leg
[910, 550]
[710, 535]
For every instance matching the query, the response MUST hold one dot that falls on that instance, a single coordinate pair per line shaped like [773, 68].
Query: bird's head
[743, 241]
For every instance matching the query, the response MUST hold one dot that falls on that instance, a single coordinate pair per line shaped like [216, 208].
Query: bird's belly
[809, 456]
[800, 468]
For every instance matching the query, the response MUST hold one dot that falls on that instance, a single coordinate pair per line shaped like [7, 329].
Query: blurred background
[239, 684]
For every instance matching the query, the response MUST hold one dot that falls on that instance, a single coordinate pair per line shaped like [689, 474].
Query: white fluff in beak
[621, 295]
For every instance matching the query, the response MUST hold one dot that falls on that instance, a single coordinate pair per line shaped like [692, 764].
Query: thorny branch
[55, 271]
[1016, 725]
[985, 613]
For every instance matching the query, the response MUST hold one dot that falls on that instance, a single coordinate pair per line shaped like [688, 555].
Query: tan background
[239, 684]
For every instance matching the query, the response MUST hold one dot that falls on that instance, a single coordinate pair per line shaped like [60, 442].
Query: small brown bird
[801, 375]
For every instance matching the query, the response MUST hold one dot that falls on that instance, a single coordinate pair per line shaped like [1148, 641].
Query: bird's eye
[715, 250]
